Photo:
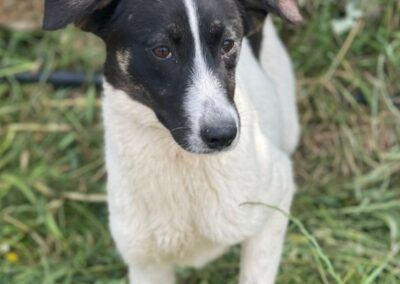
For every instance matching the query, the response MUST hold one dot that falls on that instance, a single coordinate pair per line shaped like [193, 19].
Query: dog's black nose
[219, 137]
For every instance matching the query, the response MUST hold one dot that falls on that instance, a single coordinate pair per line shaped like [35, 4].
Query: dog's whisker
[180, 128]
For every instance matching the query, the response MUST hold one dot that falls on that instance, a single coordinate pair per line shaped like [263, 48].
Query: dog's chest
[166, 206]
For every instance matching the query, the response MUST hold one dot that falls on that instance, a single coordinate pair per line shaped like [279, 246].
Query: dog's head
[178, 57]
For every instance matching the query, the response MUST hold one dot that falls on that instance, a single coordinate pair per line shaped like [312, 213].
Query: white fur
[278, 66]
[205, 96]
[169, 207]
[123, 58]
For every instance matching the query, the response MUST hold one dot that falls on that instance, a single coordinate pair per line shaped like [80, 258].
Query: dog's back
[270, 84]
[277, 64]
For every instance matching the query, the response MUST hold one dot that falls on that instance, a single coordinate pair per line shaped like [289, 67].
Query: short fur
[170, 205]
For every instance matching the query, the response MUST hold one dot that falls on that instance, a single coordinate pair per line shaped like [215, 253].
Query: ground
[346, 216]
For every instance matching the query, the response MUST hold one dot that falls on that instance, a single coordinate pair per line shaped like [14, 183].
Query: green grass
[346, 216]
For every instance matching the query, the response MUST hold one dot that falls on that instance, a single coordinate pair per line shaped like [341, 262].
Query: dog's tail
[276, 62]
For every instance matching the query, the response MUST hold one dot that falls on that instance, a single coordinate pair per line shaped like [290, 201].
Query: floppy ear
[257, 10]
[60, 13]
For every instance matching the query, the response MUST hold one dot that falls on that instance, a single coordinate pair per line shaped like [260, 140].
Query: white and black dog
[199, 130]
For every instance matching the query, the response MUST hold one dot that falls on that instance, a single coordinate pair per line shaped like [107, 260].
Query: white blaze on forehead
[201, 73]
[206, 99]
[191, 8]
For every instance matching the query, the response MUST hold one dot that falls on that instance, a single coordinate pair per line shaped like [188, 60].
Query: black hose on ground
[61, 79]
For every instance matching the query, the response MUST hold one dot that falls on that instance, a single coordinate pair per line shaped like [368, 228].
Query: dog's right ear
[60, 13]
[255, 12]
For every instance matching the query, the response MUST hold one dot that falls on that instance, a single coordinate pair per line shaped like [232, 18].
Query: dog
[200, 124]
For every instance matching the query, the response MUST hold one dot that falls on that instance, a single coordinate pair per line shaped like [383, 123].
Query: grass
[346, 217]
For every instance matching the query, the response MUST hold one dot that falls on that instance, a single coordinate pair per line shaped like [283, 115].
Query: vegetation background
[346, 216]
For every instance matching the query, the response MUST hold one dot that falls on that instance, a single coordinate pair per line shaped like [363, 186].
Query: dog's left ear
[60, 13]
[257, 10]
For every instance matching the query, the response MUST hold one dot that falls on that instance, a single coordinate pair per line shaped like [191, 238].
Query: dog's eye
[162, 52]
[227, 46]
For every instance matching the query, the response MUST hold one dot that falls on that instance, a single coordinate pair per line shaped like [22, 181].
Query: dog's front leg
[152, 274]
[262, 253]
